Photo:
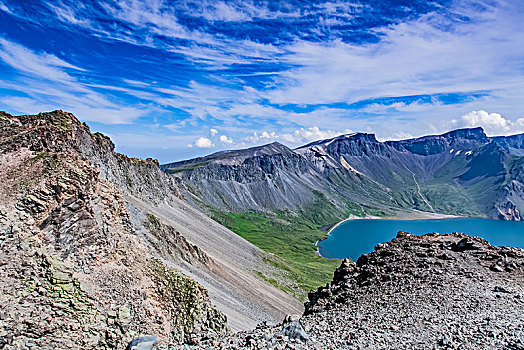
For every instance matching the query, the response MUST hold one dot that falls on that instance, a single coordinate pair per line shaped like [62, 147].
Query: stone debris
[294, 330]
[405, 295]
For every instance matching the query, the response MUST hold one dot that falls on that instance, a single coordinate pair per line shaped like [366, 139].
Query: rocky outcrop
[74, 274]
[98, 248]
[436, 144]
[412, 259]
[174, 245]
[434, 291]
[271, 177]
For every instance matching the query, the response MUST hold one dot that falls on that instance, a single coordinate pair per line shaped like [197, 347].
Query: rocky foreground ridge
[97, 248]
[415, 292]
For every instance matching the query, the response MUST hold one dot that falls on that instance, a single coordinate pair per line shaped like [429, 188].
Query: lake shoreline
[412, 215]
[358, 237]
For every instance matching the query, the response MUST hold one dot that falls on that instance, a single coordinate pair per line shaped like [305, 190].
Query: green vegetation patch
[60, 120]
[188, 167]
[290, 239]
[187, 301]
[449, 199]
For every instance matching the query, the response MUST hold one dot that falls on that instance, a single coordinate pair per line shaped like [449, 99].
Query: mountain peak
[362, 136]
[59, 119]
[477, 134]
[434, 144]
[356, 136]
[267, 149]
[234, 156]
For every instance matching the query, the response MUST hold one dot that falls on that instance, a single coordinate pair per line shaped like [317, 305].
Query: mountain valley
[277, 198]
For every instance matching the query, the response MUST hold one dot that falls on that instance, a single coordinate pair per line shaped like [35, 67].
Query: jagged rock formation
[462, 172]
[433, 291]
[96, 248]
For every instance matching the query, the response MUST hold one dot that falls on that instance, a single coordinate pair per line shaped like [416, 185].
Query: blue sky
[178, 79]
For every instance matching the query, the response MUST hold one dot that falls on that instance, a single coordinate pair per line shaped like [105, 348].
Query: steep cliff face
[74, 272]
[95, 243]
[461, 172]
[272, 177]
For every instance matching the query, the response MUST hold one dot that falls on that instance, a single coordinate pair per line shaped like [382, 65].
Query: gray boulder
[142, 343]
[294, 330]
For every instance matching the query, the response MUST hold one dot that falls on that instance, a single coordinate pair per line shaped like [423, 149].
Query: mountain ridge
[115, 238]
[391, 168]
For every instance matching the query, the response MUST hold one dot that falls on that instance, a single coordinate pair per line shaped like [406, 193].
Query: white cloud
[3, 7]
[67, 14]
[136, 83]
[435, 53]
[492, 123]
[312, 134]
[204, 142]
[220, 11]
[430, 55]
[267, 135]
[241, 11]
[27, 62]
[213, 132]
[296, 137]
[399, 136]
[226, 140]
[48, 85]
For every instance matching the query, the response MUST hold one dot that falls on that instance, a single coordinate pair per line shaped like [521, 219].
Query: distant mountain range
[462, 172]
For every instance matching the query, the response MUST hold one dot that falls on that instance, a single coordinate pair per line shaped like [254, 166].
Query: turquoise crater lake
[352, 238]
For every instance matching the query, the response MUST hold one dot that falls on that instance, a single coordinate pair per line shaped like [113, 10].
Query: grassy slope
[447, 196]
[289, 238]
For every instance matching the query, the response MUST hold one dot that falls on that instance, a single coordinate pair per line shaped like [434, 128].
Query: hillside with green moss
[277, 198]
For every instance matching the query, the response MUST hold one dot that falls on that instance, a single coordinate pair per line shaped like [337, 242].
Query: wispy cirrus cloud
[273, 68]
[46, 83]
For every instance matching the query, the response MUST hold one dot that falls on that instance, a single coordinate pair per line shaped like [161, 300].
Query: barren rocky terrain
[99, 251]
[97, 248]
[416, 292]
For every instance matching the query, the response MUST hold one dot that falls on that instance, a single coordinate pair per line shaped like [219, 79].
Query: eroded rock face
[81, 195]
[415, 292]
[172, 243]
[74, 273]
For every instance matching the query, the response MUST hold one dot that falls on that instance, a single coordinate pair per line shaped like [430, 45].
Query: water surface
[352, 238]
